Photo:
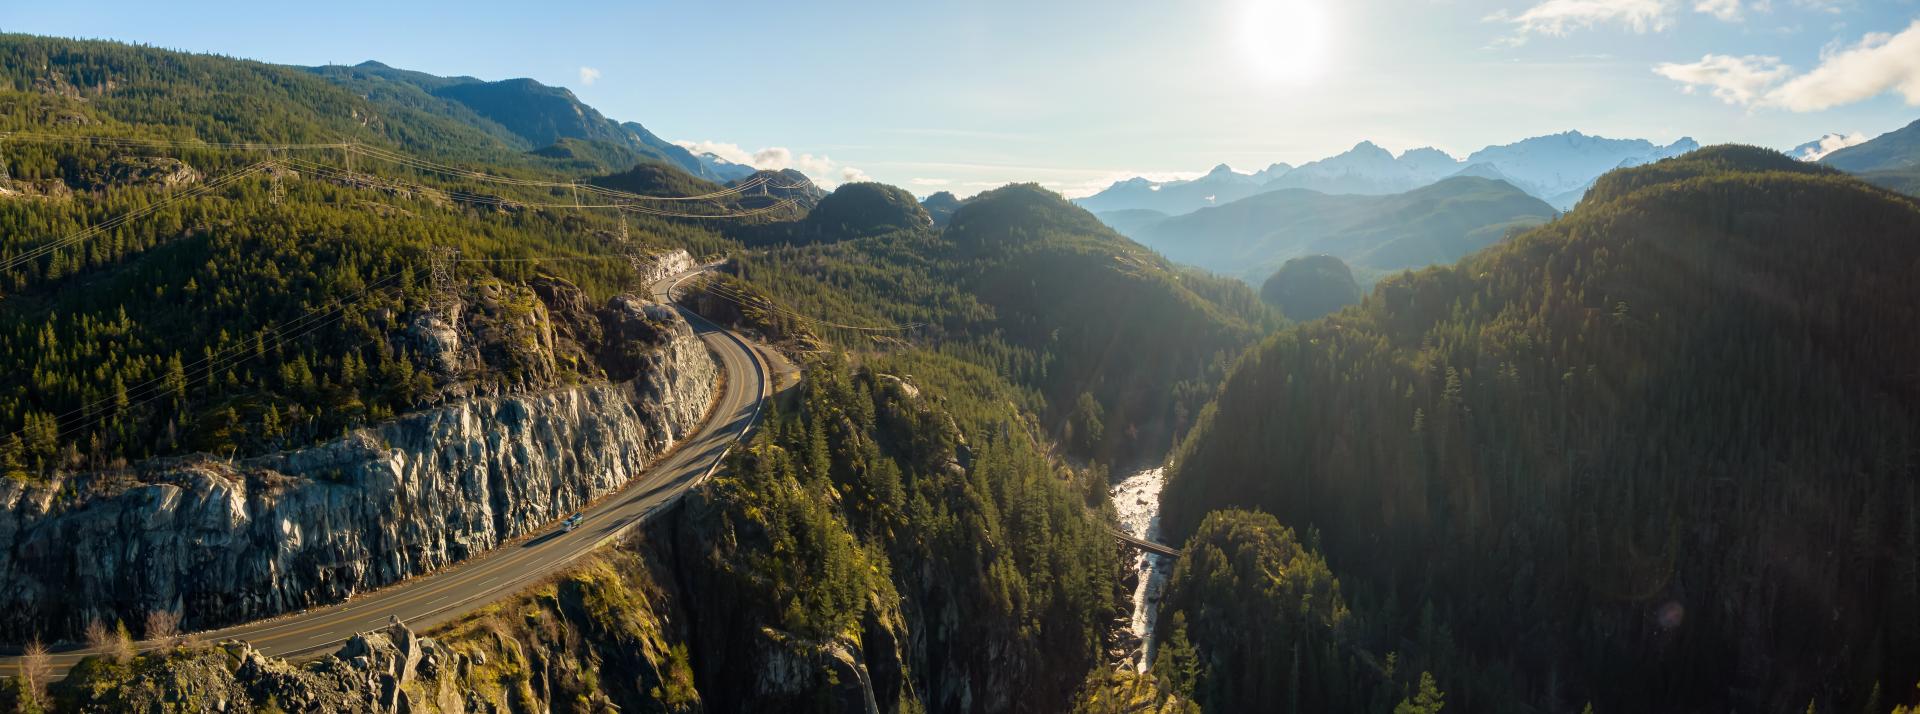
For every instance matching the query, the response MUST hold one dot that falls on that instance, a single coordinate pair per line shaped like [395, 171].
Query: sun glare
[1284, 39]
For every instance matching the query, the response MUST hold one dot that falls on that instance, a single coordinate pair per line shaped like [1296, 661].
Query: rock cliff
[220, 542]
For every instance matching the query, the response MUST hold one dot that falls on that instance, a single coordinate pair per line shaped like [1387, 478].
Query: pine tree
[1428, 700]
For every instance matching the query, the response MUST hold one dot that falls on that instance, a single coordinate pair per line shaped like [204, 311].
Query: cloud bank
[821, 168]
[1558, 17]
[1877, 64]
[589, 75]
[1830, 143]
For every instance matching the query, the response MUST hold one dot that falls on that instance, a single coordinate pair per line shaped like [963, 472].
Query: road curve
[434, 599]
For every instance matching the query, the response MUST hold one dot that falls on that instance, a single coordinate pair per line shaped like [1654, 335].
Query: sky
[1075, 94]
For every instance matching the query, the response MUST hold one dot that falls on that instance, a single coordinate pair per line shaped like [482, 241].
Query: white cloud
[1558, 17]
[1829, 144]
[1879, 63]
[589, 75]
[730, 152]
[821, 168]
[1734, 80]
[1728, 10]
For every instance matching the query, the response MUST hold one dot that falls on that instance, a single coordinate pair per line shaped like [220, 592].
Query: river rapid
[1137, 501]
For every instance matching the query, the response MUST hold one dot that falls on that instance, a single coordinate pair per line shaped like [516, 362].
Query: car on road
[572, 522]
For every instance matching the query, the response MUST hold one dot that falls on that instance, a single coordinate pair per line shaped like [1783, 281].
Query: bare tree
[99, 636]
[36, 670]
[114, 643]
[163, 625]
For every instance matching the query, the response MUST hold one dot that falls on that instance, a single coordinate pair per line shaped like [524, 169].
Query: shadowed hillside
[1625, 457]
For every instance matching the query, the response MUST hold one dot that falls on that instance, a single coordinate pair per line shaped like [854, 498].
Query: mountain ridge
[1555, 168]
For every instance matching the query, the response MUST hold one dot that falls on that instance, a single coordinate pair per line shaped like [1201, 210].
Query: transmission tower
[440, 275]
[279, 188]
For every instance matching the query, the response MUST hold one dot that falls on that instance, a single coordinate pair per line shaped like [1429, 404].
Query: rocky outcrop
[606, 636]
[666, 265]
[158, 171]
[386, 671]
[221, 542]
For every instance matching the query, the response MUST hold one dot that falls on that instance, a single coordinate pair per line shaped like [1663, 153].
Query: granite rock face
[219, 543]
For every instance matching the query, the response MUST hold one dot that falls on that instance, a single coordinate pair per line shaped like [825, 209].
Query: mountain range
[1376, 235]
[1556, 168]
[533, 116]
[1891, 160]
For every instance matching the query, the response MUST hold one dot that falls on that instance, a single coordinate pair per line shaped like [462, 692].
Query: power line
[743, 299]
[214, 363]
[115, 222]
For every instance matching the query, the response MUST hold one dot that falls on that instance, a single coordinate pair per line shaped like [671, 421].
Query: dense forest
[163, 294]
[1116, 348]
[1658, 455]
[870, 495]
[1310, 287]
[257, 300]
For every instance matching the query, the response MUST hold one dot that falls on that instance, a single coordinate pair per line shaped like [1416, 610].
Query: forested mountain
[1891, 160]
[527, 113]
[906, 508]
[1118, 348]
[288, 280]
[1897, 150]
[866, 208]
[1376, 235]
[940, 207]
[1310, 287]
[1657, 455]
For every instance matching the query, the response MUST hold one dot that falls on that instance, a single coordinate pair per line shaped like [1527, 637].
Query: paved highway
[440, 597]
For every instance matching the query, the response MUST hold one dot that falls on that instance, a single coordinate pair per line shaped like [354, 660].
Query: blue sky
[1077, 93]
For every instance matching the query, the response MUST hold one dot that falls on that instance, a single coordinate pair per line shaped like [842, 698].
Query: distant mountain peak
[1221, 170]
[1426, 152]
[1368, 147]
[372, 64]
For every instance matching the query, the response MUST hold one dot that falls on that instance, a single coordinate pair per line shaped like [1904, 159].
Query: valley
[365, 388]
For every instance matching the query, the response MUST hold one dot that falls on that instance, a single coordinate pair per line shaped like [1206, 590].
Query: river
[1137, 501]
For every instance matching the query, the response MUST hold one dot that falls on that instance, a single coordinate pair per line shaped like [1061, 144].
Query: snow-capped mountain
[727, 171]
[1371, 170]
[1221, 185]
[1271, 172]
[1819, 148]
[1559, 167]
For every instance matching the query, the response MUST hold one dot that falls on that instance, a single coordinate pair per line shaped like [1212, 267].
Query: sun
[1284, 39]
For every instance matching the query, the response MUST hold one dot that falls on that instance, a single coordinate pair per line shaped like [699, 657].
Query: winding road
[426, 601]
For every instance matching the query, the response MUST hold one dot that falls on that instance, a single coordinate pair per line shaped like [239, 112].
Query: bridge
[1143, 544]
